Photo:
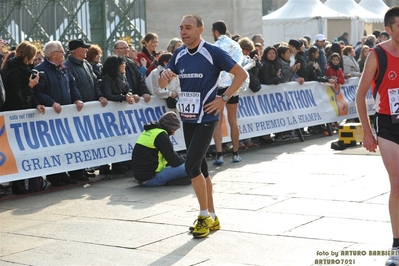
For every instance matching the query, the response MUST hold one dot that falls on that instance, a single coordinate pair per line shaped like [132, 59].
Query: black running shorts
[385, 128]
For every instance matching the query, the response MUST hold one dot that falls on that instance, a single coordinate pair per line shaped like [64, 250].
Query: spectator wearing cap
[154, 161]
[319, 42]
[87, 82]
[295, 47]
[384, 36]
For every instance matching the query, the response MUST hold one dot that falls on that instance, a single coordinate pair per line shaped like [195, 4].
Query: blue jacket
[88, 84]
[56, 85]
[322, 60]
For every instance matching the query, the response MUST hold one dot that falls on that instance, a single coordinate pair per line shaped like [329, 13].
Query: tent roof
[351, 8]
[376, 6]
[302, 10]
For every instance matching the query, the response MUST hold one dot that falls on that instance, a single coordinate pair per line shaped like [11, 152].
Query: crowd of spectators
[130, 76]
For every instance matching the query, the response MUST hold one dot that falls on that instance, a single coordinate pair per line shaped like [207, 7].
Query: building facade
[243, 17]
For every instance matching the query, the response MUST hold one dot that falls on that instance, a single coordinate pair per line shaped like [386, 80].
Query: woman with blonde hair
[173, 45]
[38, 58]
[364, 51]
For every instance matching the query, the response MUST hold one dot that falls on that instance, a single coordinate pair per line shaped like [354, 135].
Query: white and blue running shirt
[199, 77]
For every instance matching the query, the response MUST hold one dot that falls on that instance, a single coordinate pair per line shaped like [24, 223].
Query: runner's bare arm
[370, 68]
[239, 77]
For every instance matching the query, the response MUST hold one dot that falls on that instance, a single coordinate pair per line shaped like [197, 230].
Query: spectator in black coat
[93, 56]
[57, 87]
[133, 76]
[116, 88]
[19, 81]
[313, 66]
[270, 72]
[88, 84]
[295, 47]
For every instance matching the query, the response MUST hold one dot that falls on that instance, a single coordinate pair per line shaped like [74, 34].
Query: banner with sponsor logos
[32, 144]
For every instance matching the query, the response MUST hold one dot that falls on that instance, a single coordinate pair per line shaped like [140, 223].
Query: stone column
[98, 24]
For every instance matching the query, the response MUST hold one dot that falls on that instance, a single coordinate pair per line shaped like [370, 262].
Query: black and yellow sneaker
[201, 229]
[215, 226]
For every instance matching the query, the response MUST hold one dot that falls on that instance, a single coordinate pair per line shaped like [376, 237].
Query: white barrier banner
[32, 144]
[287, 106]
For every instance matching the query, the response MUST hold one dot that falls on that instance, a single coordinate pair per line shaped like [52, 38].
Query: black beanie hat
[169, 121]
[75, 44]
[385, 33]
[296, 43]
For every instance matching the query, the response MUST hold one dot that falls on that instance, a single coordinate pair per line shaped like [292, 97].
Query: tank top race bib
[189, 105]
[393, 95]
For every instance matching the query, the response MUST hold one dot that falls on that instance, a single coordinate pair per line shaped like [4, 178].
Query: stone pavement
[288, 204]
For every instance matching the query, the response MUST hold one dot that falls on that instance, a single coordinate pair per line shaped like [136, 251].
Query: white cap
[320, 37]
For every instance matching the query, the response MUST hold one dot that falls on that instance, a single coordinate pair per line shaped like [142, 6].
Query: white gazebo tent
[351, 8]
[378, 7]
[301, 17]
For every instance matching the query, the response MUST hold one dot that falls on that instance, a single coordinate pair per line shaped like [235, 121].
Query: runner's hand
[216, 106]
[369, 142]
[168, 75]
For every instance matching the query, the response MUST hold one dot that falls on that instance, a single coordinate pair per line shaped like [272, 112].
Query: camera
[35, 73]
[258, 64]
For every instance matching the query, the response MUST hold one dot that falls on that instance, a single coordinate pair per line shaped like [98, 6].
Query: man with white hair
[257, 38]
[371, 40]
[56, 87]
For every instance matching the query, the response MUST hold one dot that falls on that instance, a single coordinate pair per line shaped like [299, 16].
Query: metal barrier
[100, 22]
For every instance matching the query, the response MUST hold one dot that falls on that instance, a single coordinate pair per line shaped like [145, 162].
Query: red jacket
[338, 73]
[150, 58]
[144, 55]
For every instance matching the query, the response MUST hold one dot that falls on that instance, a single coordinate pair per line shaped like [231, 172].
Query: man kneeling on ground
[155, 163]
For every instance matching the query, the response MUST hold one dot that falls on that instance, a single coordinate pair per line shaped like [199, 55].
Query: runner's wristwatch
[225, 97]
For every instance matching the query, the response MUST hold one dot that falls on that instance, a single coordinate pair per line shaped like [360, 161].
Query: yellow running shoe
[201, 229]
[215, 226]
